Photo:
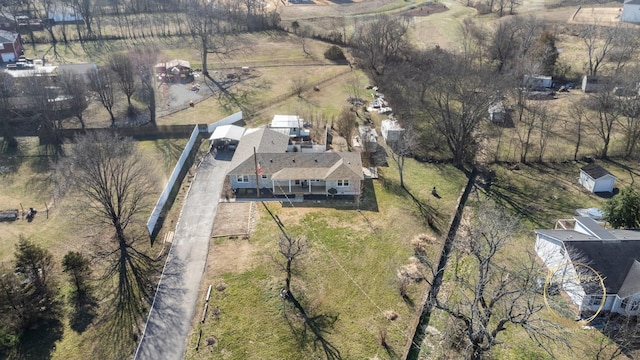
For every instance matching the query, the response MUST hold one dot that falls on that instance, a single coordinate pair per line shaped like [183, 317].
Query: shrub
[334, 53]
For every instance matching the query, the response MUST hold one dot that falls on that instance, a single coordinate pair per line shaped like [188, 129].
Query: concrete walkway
[169, 321]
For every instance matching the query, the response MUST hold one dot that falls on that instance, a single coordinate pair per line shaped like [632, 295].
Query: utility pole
[255, 160]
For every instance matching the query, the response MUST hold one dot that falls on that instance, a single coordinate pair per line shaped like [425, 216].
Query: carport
[226, 136]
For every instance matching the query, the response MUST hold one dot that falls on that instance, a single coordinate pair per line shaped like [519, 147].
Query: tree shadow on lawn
[313, 329]
[430, 215]
[533, 198]
[39, 343]
[83, 313]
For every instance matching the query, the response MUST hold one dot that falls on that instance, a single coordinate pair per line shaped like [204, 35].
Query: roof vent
[270, 160]
[316, 160]
[294, 160]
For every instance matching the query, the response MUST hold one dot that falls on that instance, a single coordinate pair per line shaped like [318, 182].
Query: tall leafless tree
[110, 180]
[380, 41]
[604, 114]
[455, 102]
[122, 67]
[102, 83]
[76, 93]
[598, 41]
[143, 63]
[6, 92]
[489, 293]
[291, 248]
[346, 124]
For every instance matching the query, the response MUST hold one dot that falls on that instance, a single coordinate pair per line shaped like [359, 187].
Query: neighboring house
[538, 82]
[60, 14]
[292, 173]
[596, 179]
[391, 131]
[10, 47]
[7, 22]
[291, 125]
[613, 254]
[631, 11]
[497, 113]
[175, 70]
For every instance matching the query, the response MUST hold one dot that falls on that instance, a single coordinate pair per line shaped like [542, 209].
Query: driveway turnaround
[169, 321]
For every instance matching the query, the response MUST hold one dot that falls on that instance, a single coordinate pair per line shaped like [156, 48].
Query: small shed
[595, 83]
[368, 138]
[497, 113]
[538, 82]
[391, 130]
[596, 179]
[631, 11]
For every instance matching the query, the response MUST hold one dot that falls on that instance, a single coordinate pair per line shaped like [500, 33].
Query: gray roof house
[613, 254]
[292, 173]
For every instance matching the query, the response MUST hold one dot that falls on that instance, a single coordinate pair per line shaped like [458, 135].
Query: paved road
[169, 321]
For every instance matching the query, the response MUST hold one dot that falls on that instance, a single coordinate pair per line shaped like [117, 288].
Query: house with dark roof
[10, 47]
[596, 179]
[7, 22]
[262, 154]
[611, 253]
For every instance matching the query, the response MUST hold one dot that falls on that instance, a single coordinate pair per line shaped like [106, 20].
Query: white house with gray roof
[614, 254]
[292, 173]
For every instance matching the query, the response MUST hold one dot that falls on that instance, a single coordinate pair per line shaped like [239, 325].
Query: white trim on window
[242, 178]
[343, 183]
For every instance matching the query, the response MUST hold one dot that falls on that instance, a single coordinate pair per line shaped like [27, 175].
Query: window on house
[242, 178]
[595, 300]
[343, 182]
[624, 303]
[264, 176]
[635, 305]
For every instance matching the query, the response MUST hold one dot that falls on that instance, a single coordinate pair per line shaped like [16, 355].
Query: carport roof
[231, 132]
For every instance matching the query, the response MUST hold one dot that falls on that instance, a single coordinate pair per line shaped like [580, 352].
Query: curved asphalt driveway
[169, 321]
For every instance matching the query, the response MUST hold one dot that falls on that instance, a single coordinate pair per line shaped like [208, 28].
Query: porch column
[289, 185]
[273, 187]
[309, 182]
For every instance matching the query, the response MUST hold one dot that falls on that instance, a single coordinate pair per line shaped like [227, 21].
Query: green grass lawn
[346, 277]
[27, 183]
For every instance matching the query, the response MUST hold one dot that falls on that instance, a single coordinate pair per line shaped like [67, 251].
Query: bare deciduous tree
[599, 41]
[111, 182]
[144, 62]
[490, 293]
[122, 67]
[604, 112]
[102, 83]
[380, 41]
[291, 248]
[346, 124]
[75, 89]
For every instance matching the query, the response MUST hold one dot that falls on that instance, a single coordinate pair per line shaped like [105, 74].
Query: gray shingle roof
[7, 37]
[595, 171]
[294, 165]
[611, 259]
[263, 140]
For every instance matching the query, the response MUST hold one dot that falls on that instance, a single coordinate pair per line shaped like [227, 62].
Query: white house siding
[549, 251]
[609, 304]
[604, 184]
[617, 305]
[631, 13]
[586, 181]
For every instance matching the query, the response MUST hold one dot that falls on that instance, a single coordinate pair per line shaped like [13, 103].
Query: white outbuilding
[596, 179]
[631, 11]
